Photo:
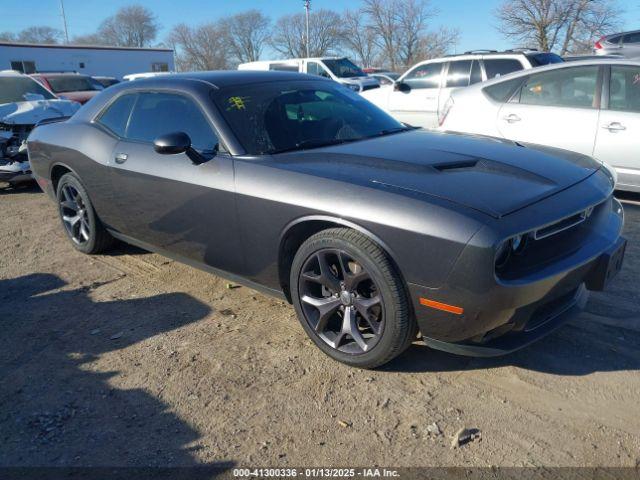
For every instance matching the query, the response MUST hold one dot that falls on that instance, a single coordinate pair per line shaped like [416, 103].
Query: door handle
[512, 118]
[121, 157]
[614, 127]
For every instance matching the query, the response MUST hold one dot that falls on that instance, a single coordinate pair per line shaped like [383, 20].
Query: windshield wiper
[308, 144]
[391, 131]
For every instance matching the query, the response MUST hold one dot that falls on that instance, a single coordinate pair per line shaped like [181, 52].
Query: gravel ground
[130, 359]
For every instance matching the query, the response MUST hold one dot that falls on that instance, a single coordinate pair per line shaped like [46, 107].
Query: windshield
[540, 59]
[70, 83]
[14, 89]
[280, 116]
[344, 68]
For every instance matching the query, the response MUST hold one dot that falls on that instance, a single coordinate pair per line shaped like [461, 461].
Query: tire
[340, 260]
[78, 217]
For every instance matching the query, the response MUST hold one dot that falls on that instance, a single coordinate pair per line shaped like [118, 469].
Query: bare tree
[436, 44]
[36, 34]
[89, 39]
[565, 26]
[40, 34]
[360, 38]
[402, 31]
[7, 37]
[246, 34]
[131, 26]
[199, 48]
[325, 32]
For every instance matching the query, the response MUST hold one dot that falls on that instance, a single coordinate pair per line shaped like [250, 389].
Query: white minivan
[340, 69]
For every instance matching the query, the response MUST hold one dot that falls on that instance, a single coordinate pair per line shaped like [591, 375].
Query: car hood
[30, 113]
[494, 176]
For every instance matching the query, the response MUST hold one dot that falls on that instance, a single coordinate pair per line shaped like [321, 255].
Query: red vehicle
[72, 86]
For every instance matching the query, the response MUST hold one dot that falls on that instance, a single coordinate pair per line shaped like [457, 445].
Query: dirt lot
[132, 359]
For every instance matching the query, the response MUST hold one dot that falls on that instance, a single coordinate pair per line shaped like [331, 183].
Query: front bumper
[499, 317]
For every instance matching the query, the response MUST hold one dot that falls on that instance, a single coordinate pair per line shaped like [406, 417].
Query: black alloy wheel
[74, 214]
[81, 224]
[349, 298]
[341, 301]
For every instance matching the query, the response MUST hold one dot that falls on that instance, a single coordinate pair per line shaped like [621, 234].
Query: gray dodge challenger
[376, 232]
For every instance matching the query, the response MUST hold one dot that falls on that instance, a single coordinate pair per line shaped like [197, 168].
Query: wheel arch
[56, 173]
[299, 230]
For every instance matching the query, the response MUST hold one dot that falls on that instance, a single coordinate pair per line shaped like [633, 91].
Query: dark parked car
[72, 86]
[298, 187]
[105, 82]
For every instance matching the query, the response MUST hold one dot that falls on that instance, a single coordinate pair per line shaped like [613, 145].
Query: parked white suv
[418, 96]
[339, 69]
[590, 107]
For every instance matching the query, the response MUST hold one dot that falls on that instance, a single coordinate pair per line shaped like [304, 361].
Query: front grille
[562, 225]
[369, 87]
[550, 243]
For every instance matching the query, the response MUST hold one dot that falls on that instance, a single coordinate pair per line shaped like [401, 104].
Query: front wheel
[350, 300]
[79, 219]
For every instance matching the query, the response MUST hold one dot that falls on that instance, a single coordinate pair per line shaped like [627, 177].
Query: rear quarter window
[540, 59]
[116, 115]
[501, 92]
[496, 67]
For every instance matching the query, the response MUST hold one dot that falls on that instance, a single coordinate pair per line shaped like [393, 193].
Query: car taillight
[598, 45]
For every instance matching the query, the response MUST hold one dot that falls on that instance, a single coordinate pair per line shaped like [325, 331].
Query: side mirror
[172, 143]
[177, 142]
[401, 87]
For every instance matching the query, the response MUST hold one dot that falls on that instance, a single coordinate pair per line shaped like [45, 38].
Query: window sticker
[636, 79]
[238, 103]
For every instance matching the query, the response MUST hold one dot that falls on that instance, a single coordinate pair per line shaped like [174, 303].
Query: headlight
[512, 246]
[355, 88]
[503, 253]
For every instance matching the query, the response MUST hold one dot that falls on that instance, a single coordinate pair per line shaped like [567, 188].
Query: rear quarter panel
[85, 150]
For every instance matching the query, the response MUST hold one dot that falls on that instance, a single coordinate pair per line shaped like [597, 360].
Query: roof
[81, 47]
[11, 73]
[58, 74]
[286, 60]
[225, 78]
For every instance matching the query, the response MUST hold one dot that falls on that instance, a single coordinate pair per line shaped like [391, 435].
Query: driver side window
[159, 113]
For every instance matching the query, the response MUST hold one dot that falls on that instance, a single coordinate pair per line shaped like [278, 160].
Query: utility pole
[64, 21]
[307, 7]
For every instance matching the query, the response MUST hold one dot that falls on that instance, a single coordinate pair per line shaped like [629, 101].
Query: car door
[414, 98]
[558, 108]
[619, 125]
[170, 203]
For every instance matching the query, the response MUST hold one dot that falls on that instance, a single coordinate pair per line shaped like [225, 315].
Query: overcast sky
[473, 18]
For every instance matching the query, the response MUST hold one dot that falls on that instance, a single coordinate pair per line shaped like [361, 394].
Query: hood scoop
[447, 167]
[483, 165]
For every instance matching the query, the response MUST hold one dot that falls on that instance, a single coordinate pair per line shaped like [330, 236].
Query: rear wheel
[79, 219]
[349, 298]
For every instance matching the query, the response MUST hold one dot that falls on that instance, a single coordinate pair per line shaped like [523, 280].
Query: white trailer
[90, 60]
